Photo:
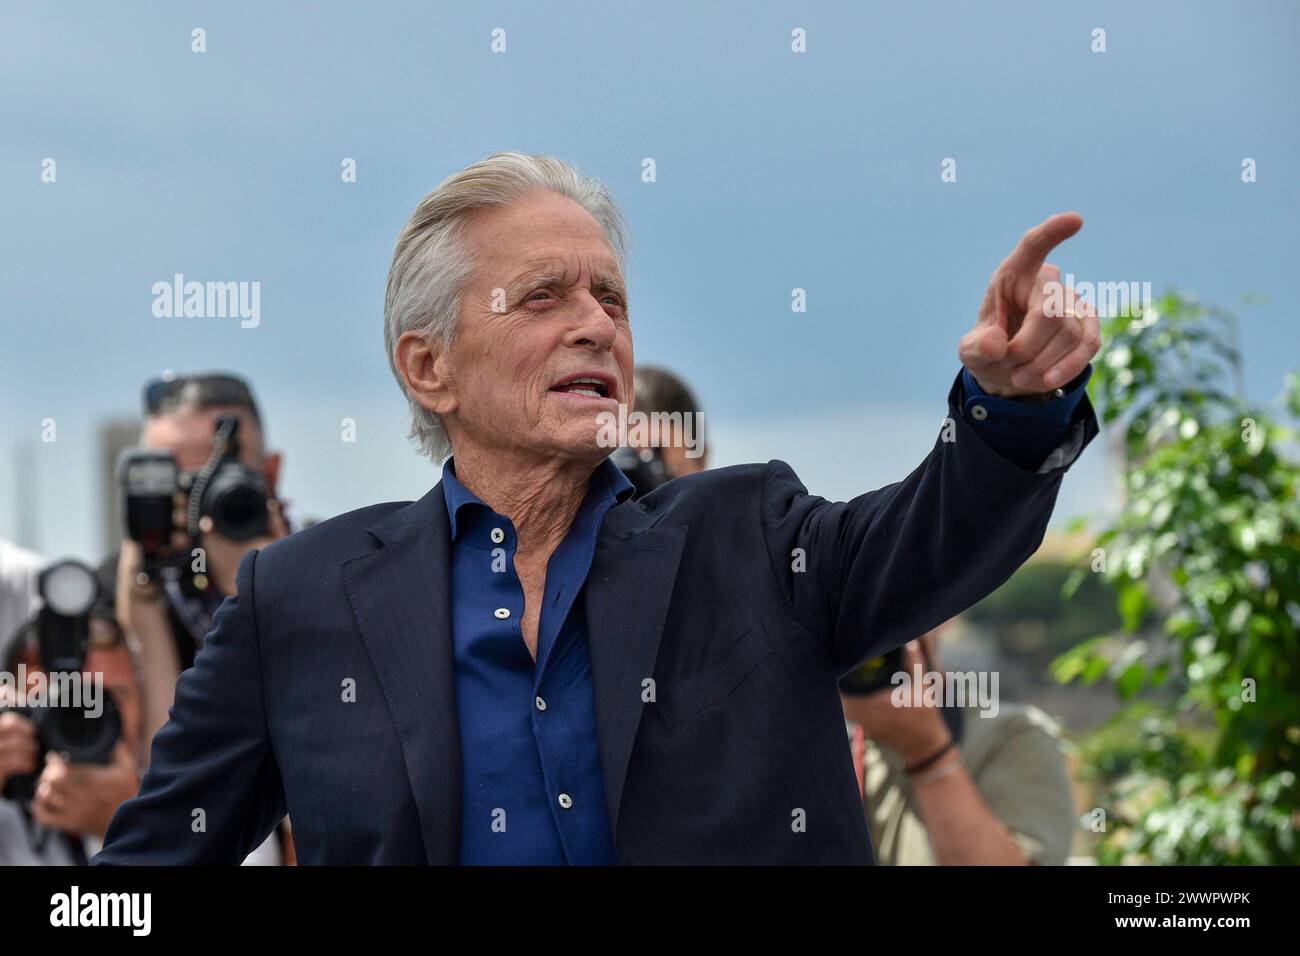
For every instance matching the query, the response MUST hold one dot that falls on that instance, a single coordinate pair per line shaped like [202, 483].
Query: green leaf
[1094, 670]
[1074, 662]
[1130, 680]
[1132, 604]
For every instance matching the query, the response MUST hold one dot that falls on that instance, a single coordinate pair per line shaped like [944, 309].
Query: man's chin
[581, 441]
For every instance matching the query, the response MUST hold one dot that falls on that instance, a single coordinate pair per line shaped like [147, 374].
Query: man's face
[547, 303]
[187, 434]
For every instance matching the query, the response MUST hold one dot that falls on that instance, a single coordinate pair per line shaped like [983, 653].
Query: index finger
[1037, 244]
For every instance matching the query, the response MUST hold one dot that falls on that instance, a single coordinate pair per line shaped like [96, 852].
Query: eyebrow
[557, 274]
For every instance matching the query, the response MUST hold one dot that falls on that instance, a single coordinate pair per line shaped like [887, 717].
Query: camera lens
[65, 728]
[236, 499]
[69, 588]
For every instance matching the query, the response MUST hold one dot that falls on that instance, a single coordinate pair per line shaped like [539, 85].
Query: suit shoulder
[722, 493]
[733, 479]
[337, 537]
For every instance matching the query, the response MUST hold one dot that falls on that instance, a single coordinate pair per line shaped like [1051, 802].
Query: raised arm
[877, 571]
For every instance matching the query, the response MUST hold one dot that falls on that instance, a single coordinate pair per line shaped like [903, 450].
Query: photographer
[166, 615]
[649, 464]
[177, 567]
[953, 786]
[56, 808]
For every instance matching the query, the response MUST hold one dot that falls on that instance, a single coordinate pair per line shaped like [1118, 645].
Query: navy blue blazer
[722, 609]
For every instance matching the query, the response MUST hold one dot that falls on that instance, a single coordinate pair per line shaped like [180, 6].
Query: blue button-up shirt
[1022, 432]
[532, 788]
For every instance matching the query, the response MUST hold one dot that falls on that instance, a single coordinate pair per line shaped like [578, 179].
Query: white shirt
[19, 599]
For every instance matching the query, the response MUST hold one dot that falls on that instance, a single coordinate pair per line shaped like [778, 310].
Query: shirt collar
[616, 487]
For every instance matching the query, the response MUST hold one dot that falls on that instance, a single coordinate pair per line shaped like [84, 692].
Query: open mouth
[590, 386]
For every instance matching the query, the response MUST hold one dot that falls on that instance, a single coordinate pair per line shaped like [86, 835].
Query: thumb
[992, 343]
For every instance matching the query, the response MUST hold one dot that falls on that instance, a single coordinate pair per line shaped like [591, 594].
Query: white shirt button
[566, 801]
[502, 613]
[541, 704]
[498, 535]
[979, 412]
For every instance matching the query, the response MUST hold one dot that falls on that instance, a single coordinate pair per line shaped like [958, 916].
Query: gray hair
[431, 263]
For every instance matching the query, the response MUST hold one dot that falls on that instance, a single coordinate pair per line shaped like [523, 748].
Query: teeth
[594, 393]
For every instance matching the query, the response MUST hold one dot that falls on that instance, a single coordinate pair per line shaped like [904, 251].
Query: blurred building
[26, 497]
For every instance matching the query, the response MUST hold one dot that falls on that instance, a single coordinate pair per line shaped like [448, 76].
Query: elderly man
[524, 666]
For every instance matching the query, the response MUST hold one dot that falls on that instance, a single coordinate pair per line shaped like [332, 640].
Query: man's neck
[541, 497]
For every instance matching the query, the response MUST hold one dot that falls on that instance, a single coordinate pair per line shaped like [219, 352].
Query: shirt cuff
[1024, 433]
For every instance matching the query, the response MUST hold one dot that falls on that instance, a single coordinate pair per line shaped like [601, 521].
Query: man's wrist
[1038, 397]
[1013, 396]
[1068, 389]
[926, 739]
[1023, 429]
[921, 759]
[949, 763]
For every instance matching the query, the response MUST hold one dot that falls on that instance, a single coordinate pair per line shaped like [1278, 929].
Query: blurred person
[66, 817]
[165, 623]
[19, 598]
[527, 667]
[958, 786]
[651, 457]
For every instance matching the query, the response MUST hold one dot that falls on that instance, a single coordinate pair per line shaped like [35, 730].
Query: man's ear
[426, 368]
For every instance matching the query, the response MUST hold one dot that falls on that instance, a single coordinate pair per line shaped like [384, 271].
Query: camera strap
[220, 442]
[194, 612]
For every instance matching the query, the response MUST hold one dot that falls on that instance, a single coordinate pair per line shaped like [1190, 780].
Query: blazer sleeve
[873, 573]
[212, 793]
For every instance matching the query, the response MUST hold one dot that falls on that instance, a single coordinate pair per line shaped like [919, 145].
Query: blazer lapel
[627, 595]
[401, 598]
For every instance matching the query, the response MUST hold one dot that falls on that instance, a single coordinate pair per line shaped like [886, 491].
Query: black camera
[643, 467]
[225, 490]
[84, 726]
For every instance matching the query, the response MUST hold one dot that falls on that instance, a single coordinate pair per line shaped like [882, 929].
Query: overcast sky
[775, 170]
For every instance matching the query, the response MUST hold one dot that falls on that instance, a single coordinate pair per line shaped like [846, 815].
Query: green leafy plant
[1205, 561]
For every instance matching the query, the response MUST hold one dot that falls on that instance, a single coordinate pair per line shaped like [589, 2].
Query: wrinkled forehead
[564, 268]
[187, 434]
[541, 230]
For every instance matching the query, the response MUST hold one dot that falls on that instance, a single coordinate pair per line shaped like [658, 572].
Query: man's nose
[593, 327]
